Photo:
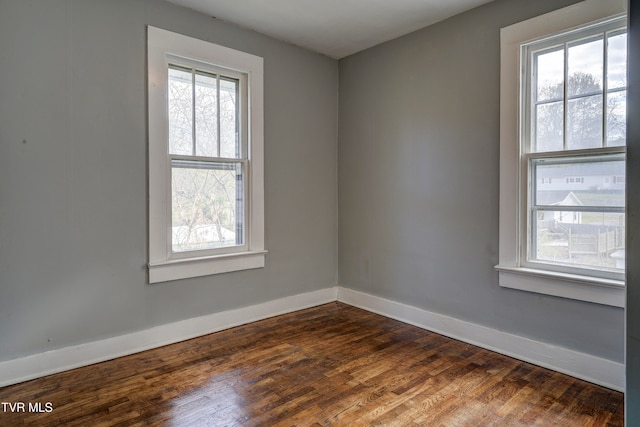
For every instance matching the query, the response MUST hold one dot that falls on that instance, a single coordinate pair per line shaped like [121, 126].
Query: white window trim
[510, 270]
[160, 44]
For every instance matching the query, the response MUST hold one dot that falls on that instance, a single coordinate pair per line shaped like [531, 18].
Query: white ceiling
[336, 28]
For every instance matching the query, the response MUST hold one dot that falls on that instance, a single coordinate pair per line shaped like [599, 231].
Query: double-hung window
[563, 122]
[205, 158]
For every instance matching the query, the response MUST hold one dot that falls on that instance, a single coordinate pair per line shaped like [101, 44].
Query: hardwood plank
[329, 365]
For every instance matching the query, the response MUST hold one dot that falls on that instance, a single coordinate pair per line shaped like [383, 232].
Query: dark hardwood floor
[328, 365]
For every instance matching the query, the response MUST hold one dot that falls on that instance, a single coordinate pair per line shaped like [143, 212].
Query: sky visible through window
[577, 215]
[589, 109]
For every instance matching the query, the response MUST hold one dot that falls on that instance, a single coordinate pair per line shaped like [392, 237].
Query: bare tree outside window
[578, 102]
[206, 177]
[595, 115]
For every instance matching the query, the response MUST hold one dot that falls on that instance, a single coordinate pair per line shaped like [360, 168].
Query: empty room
[347, 213]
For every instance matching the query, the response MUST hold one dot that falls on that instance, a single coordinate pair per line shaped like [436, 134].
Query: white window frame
[512, 269]
[163, 45]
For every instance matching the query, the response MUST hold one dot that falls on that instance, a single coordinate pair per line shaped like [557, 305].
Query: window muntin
[576, 212]
[206, 158]
[573, 139]
[569, 85]
[205, 140]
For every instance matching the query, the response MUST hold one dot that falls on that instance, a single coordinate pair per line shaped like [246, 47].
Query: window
[563, 121]
[205, 158]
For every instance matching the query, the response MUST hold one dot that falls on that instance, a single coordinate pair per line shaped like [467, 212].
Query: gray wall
[632, 395]
[418, 182]
[417, 192]
[73, 228]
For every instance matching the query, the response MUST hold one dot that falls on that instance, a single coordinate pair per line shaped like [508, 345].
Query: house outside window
[206, 207]
[564, 75]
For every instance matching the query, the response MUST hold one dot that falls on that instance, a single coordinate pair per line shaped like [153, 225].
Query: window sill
[582, 288]
[165, 271]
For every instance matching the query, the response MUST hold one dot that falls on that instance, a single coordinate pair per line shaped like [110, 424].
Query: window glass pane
[180, 100]
[549, 127]
[584, 122]
[206, 115]
[584, 183]
[586, 239]
[575, 205]
[585, 67]
[549, 75]
[617, 61]
[207, 205]
[617, 118]
[229, 125]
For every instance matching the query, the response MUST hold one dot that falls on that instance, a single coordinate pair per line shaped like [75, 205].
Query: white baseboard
[580, 365]
[51, 362]
[590, 368]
